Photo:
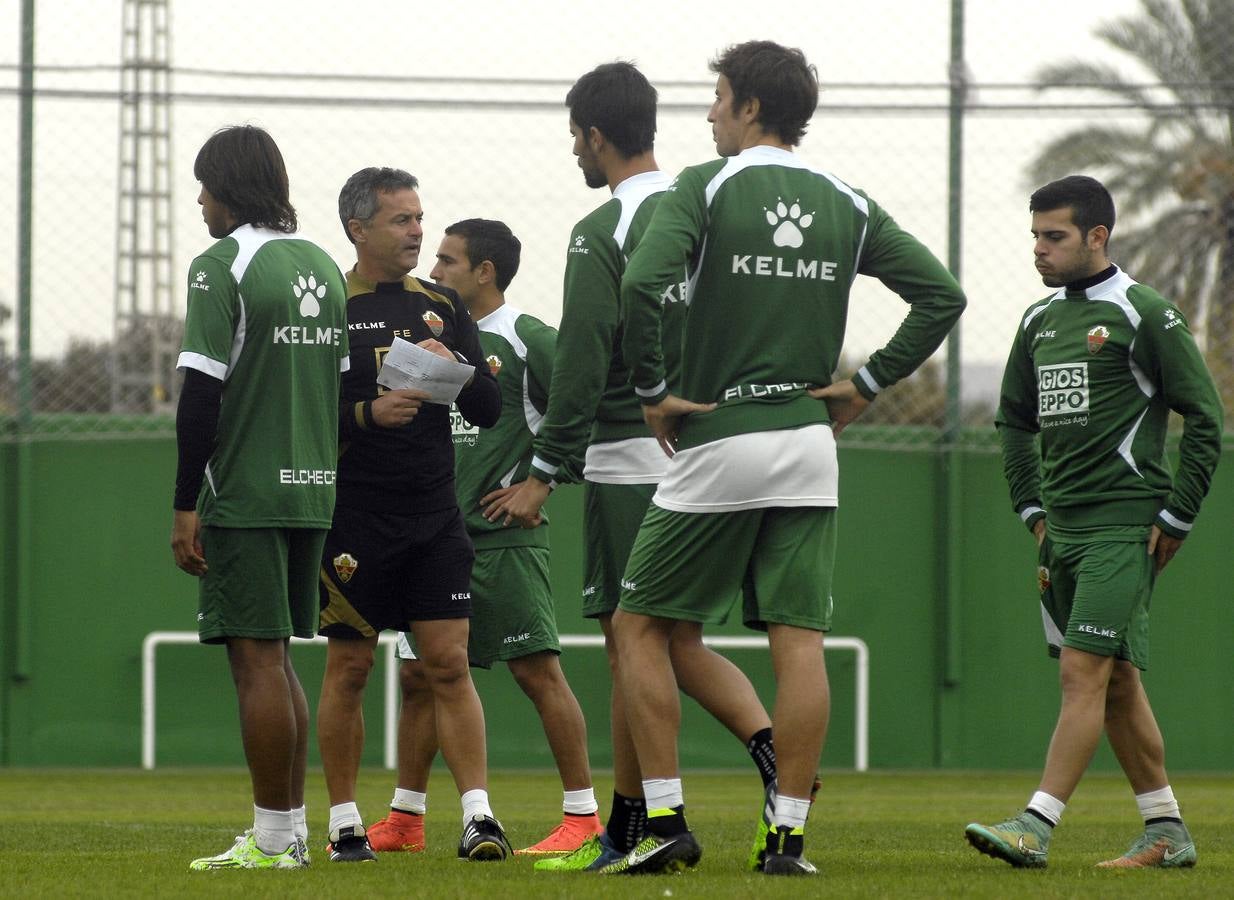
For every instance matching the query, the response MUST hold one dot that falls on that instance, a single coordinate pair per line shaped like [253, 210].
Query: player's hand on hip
[1162, 547]
[186, 542]
[519, 503]
[844, 403]
[665, 418]
[396, 408]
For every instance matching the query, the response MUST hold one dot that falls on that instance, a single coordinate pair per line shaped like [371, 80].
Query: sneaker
[595, 853]
[397, 832]
[567, 837]
[350, 844]
[483, 840]
[1023, 841]
[656, 855]
[754, 862]
[784, 853]
[245, 854]
[1163, 845]
[302, 848]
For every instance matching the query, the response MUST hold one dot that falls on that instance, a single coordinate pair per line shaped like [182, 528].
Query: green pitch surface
[132, 834]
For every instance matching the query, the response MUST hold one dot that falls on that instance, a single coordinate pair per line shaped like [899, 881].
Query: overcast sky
[512, 160]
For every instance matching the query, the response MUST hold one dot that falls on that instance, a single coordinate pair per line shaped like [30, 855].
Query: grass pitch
[132, 834]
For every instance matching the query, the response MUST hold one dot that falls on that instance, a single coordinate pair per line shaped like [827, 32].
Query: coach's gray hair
[358, 198]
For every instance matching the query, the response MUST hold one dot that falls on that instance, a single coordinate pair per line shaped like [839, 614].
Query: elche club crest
[1043, 579]
[494, 364]
[1097, 336]
[345, 566]
[434, 323]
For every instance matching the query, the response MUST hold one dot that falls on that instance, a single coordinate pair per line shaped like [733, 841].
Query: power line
[488, 80]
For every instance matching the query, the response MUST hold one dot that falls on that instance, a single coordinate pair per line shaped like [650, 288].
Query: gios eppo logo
[1062, 389]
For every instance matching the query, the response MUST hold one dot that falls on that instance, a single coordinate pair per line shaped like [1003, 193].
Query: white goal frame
[388, 640]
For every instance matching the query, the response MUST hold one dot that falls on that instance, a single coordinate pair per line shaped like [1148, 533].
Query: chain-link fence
[123, 95]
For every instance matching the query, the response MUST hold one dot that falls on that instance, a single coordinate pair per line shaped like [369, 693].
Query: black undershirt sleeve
[197, 423]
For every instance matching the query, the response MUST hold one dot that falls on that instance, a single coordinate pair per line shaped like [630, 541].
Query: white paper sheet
[411, 366]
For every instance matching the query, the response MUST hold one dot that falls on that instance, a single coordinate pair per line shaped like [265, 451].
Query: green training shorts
[1095, 593]
[612, 514]
[261, 583]
[512, 612]
[694, 566]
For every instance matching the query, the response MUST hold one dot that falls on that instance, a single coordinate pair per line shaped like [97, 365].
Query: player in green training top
[591, 405]
[265, 341]
[513, 617]
[748, 502]
[1094, 370]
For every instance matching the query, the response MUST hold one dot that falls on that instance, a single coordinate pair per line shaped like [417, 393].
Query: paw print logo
[201, 276]
[578, 241]
[308, 292]
[788, 222]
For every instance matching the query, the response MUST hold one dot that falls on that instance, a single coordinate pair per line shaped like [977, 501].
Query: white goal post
[156, 639]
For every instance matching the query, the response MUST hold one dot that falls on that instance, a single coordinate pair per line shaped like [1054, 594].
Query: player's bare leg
[802, 707]
[540, 677]
[417, 727]
[442, 648]
[627, 779]
[715, 682]
[1140, 749]
[340, 714]
[1132, 729]
[267, 717]
[402, 828]
[1084, 678]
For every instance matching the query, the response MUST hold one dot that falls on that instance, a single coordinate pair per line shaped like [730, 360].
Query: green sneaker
[758, 850]
[656, 855]
[595, 853]
[1163, 845]
[1023, 841]
[245, 854]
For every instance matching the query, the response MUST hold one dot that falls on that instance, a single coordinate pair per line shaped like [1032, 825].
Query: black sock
[667, 826]
[626, 822]
[1032, 812]
[763, 753]
[782, 840]
[1159, 819]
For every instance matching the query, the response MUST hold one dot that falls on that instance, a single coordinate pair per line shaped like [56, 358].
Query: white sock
[662, 793]
[343, 815]
[791, 811]
[299, 822]
[475, 803]
[273, 830]
[579, 803]
[410, 801]
[1050, 808]
[1158, 804]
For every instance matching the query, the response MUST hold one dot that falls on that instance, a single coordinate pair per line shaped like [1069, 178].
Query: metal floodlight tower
[147, 323]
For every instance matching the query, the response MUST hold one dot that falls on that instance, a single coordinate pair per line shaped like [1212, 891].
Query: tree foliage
[1171, 174]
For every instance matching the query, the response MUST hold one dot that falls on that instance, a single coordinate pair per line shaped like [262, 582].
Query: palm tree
[1172, 176]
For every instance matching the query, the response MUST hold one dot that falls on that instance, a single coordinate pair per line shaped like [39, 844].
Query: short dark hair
[1088, 199]
[358, 199]
[785, 85]
[491, 240]
[242, 168]
[617, 99]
